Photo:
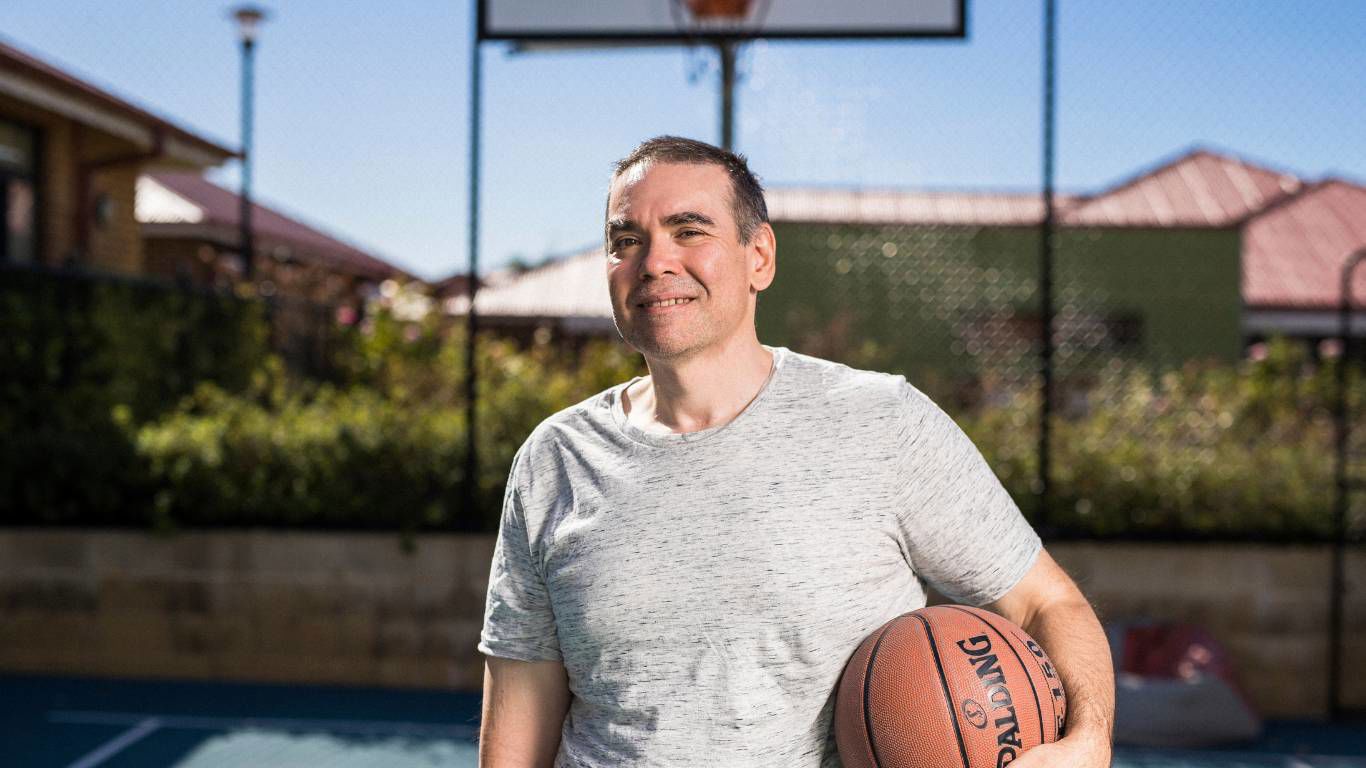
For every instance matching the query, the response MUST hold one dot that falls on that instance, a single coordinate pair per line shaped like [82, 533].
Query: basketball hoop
[707, 18]
[729, 10]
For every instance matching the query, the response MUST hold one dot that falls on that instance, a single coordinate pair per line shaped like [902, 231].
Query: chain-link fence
[1174, 413]
[1189, 303]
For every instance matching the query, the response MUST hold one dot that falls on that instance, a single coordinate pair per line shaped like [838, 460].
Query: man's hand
[1048, 605]
[1077, 750]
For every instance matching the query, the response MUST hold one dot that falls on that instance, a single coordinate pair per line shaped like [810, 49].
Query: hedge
[388, 454]
[84, 357]
[130, 406]
[1206, 451]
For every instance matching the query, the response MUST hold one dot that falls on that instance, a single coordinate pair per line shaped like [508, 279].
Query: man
[686, 560]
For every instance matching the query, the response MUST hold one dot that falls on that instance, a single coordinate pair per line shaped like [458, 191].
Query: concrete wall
[357, 608]
[289, 607]
[1268, 605]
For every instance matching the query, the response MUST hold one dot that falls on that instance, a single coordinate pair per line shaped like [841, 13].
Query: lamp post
[249, 18]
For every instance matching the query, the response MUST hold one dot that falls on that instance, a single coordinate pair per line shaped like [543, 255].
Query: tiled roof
[873, 206]
[29, 67]
[190, 199]
[570, 287]
[1293, 253]
[1199, 189]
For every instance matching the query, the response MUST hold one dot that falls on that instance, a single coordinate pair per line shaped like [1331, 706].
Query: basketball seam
[1028, 678]
[944, 681]
[868, 695]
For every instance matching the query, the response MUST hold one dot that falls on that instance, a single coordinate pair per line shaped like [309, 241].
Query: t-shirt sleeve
[518, 620]
[962, 531]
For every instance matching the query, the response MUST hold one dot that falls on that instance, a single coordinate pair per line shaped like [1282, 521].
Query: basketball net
[701, 18]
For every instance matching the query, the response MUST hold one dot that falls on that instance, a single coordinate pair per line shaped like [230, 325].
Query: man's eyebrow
[688, 217]
[618, 224]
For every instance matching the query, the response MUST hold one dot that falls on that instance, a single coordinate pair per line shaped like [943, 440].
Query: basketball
[947, 686]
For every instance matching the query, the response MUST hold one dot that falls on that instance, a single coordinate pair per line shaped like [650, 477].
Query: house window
[18, 192]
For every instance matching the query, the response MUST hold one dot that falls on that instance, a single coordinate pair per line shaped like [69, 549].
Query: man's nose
[660, 257]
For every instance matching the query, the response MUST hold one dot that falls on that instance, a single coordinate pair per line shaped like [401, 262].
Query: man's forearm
[1073, 638]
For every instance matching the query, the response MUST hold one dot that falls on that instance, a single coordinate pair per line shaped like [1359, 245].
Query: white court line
[197, 723]
[110, 748]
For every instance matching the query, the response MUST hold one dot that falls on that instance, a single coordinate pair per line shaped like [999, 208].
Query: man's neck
[700, 392]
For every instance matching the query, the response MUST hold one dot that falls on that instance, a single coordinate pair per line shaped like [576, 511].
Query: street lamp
[249, 18]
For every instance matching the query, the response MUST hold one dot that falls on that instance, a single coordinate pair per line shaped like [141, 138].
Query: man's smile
[664, 305]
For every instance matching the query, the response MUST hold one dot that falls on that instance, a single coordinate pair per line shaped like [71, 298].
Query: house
[564, 298]
[70, 156]
[92, 181]
[191, 230]
[1197, 257]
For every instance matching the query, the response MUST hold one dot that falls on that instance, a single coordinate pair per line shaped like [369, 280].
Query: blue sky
[362, 107]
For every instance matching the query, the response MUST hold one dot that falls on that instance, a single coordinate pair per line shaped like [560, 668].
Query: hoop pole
[726, 50]
[1345, 485]
[471, 348]
[1046, 228]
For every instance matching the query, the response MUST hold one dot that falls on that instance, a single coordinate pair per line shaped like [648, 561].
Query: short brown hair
[747, 195]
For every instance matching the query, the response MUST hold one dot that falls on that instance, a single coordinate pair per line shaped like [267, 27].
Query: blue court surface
[52, 722]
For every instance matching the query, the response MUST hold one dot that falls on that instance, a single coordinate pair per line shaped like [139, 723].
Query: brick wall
[117, 243]
[357, 608]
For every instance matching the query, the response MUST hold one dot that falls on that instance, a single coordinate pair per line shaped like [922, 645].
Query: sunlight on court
[279, 742]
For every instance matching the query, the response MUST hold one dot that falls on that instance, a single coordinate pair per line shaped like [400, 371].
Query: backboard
[679, 21]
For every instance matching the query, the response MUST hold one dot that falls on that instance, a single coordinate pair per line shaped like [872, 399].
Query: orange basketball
[947, 686]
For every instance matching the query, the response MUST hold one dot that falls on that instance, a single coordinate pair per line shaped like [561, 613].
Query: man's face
[671, 234]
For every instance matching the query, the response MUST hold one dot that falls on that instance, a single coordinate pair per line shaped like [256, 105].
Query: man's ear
[763, 257]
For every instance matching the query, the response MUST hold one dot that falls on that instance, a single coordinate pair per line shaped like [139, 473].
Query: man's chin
[663, 349]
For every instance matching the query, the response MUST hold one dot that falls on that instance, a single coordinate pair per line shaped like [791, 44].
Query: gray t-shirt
[705, 590]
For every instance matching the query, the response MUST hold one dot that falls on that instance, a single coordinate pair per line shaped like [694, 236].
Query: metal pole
[726, 50]
[471, 372]
[1046, 254]
[248, 250]
[1345, 485]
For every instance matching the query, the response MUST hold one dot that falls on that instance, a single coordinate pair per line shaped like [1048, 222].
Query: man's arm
[1047, 604]
[525, 703]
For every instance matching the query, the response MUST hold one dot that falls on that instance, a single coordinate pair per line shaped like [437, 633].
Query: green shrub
[320, 458]
[1206, 450]
[387, 454]
[84, 358]
[128, 405]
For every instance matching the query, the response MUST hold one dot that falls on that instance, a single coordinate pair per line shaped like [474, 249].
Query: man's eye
[624, 242]
[688, 232]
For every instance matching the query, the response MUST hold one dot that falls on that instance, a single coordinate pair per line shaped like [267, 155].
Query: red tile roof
[19, 62]
[1199, 189]
[220, 212]
[1293, 253]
